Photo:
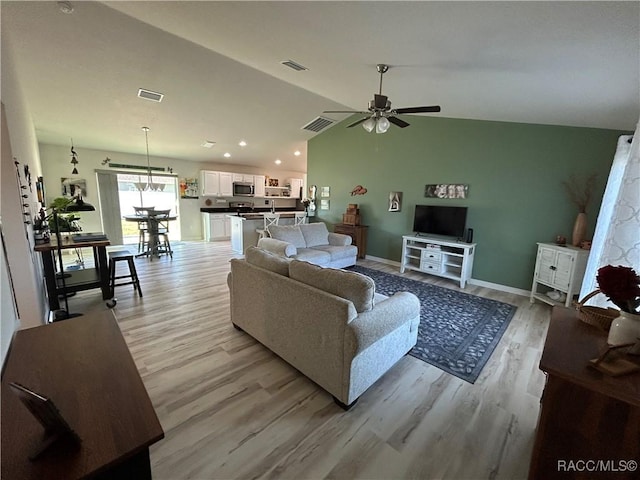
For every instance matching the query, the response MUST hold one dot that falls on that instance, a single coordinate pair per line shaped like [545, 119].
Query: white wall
[55, 165]
[19, 141]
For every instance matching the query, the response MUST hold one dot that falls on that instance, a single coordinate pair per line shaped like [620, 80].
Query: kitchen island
[244, 227]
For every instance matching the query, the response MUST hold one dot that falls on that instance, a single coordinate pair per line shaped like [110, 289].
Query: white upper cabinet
[296, 187]
[210, 183]
[258, 185]
[226, 184]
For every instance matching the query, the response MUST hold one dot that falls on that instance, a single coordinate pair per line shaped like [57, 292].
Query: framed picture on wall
[325, 192]
[446, 190]
[324, 204]
[395, 201]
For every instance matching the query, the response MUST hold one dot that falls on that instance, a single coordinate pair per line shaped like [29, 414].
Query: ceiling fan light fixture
[382, 125]
[369, 125]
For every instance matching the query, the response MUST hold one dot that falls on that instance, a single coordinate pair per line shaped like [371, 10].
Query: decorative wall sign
[325, 192]
[358, 190]
[324, 204]
[395, 201]
[446, 190]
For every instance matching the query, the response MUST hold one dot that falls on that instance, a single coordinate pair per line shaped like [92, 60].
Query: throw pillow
[315, 234]
[288, 233]
[267, 260]
[352, 286]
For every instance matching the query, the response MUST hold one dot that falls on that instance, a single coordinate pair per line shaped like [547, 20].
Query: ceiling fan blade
[357, 123]
[379, 101]
[344, 111]
[398, 122]
[431, 109]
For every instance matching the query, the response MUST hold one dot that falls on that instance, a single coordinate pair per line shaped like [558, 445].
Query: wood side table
[358, 234]
[587, 418]
[84, 366]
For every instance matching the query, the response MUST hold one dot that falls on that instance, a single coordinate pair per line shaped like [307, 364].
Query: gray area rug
[458, 331]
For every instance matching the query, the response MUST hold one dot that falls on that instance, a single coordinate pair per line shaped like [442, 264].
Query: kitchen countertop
[260, 215]
[255, 211]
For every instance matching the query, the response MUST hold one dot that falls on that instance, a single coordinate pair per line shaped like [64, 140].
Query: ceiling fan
[380, 114]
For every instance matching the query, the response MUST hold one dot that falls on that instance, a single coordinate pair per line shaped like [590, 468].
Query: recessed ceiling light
[242, 143]
[208, 144]
[297, 153]
[226, 155]
[278, 161]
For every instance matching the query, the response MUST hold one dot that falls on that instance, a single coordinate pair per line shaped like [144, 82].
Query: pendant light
[149, 185]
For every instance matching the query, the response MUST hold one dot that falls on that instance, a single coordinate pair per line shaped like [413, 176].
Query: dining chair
[269, 219]
[143, 227]
[300, 218]
[159, 227]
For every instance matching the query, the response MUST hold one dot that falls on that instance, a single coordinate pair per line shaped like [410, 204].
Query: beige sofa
[327, 323]
[311, 242]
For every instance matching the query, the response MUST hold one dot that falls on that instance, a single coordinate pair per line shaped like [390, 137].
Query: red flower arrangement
[621, 285]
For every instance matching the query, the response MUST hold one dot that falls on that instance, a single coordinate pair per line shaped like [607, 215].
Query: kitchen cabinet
[216, 226]
[226, 184]
[258, 186]
[210, 182]
[242, 177]
[560, 268]
[295, 186]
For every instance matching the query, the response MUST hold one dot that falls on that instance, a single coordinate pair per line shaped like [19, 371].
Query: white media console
[445, 258]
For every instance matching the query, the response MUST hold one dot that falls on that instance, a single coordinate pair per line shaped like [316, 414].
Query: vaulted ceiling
[219, 66]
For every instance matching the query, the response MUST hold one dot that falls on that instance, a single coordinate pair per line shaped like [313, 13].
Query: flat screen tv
[437, 220]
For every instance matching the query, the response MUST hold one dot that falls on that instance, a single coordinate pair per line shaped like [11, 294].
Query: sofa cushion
[313, 255]
[338, 253]
[267, 260]
[352, 286]
[288, 233]
[315, 234]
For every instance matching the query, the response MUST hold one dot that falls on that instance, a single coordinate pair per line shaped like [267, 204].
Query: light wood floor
[230, 409]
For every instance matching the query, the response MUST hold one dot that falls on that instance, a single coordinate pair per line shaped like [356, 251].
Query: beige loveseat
[311, 242]
[327, 323]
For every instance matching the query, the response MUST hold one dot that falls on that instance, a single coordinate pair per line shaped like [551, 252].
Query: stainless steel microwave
[243, 189]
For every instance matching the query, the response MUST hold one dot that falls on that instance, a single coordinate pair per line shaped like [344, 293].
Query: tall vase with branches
[580, 193]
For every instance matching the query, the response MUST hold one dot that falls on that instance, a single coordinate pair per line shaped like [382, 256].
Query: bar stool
[300, 218]
[269, 219]
[143, 229]
[118, 256]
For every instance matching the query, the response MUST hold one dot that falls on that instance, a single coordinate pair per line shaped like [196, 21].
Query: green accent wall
[514, 172]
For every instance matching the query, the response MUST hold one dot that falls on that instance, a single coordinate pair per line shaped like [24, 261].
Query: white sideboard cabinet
[444, 258]
[560, 268]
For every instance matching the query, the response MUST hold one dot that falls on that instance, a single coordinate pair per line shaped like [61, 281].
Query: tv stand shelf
[445, 258]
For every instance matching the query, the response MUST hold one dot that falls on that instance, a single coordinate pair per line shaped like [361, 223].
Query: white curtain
[110, 206]
[616, 240]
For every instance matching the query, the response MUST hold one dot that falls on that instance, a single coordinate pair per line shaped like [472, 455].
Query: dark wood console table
[78, 280]
[358, 234]
[84, 366]
[586, 416]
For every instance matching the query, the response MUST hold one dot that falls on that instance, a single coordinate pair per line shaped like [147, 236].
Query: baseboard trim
[472, 281]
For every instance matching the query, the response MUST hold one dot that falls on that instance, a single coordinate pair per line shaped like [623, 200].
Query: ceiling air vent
[295, 65]
[149, 95]
[318, 124]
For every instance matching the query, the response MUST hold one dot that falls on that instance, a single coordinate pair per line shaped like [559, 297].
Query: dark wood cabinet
[358, 234]
[589, 424]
